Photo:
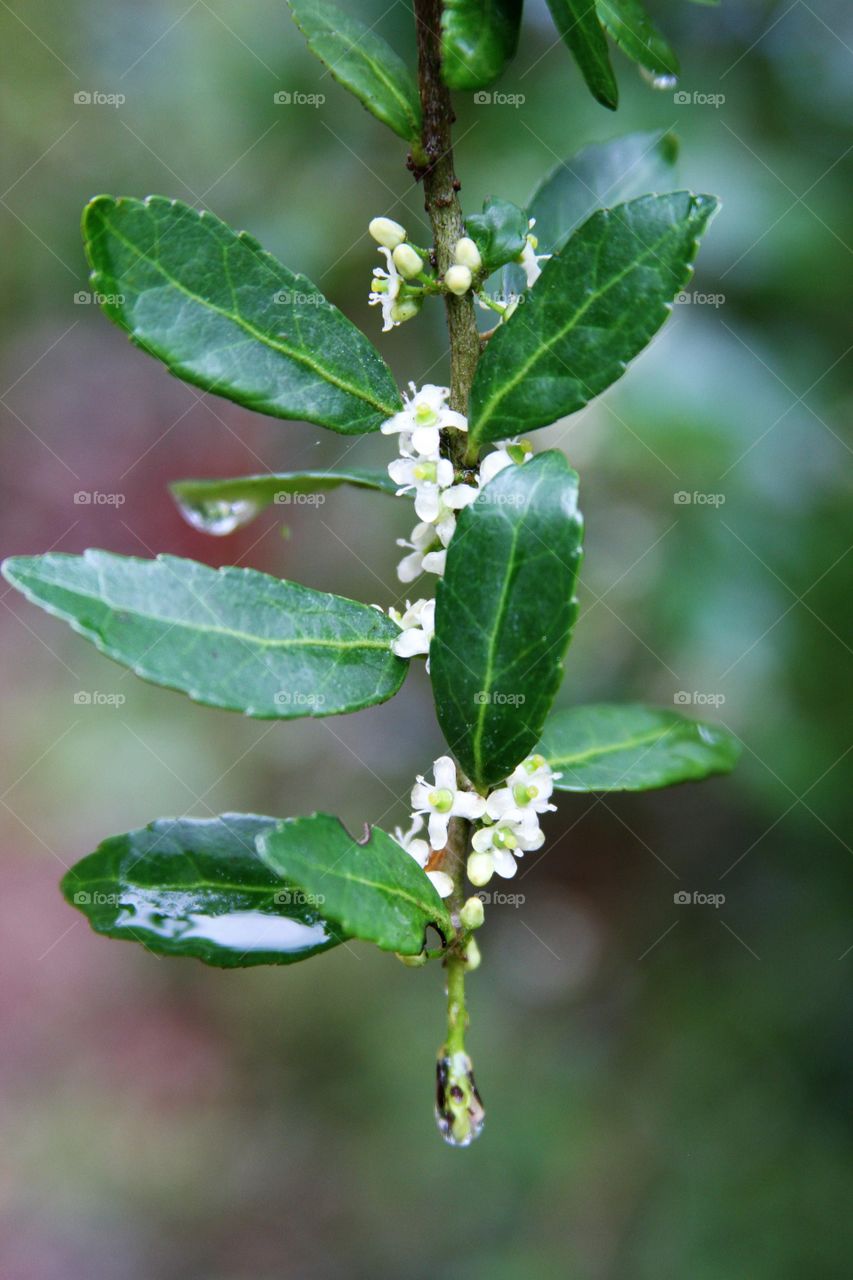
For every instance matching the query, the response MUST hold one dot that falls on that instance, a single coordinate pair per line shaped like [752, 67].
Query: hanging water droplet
[659, 79]
[459, 1113]
[218, 515]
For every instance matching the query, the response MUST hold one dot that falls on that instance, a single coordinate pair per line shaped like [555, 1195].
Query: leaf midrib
[625, 745]
[277, 643]
[402, 100]
[236, 318]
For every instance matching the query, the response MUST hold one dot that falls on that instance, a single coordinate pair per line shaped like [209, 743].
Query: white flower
[444, 800]
[386, 287]
[529, 258]
[527, 792]
[505, 454]
[420, 851]
[421, 419]
[417, 626]
[427, 476]
[435, 562]
[421, 540]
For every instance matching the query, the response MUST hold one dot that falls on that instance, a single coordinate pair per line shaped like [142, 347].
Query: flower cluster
[508, 820]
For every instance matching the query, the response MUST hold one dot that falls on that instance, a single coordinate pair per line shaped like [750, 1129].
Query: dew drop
[217, 515]
[459, 1112]
[659, 79]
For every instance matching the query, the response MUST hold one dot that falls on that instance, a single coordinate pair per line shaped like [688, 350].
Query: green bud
[407, 262]
[472, 914]
[405, 309]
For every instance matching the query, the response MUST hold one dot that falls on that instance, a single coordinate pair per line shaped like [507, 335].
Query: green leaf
[231, 638]
[364, 63]
[601, 175]
[223, 314]
[197, 887]
[593, 309]
[633, 748]
[374, 891]
[499, 232]
[627, 22]
[578, 24]
[504, 613]
[221, 506]
[478, 38]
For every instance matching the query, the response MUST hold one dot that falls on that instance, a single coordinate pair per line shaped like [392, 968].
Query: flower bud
[472, 913]
[466, 254]
[387, 232]
[405, 309]
[472, 955]
[481, 868]
[407, 262]
[458, 279]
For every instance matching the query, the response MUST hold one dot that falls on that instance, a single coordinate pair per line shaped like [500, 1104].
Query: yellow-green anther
[441, 801]
[426, 471]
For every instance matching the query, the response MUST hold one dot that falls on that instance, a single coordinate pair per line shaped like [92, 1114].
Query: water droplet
[459, 1113]
[659, 79]
[217, 515]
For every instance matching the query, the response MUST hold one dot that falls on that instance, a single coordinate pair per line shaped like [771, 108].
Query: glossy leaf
[504, 613]
[600, 176]
[231, 638]
[364, 63]
[633, 748]
[197, 887]
[593, 309]
[223, 314]
[628, 23]
[478, 38]
[499, 232]
[374, 891]
[221, 506]
[578, 24]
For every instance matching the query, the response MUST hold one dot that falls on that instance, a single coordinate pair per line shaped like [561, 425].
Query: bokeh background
[668, 1087]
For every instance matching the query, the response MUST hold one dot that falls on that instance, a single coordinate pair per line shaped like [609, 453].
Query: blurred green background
[667, 1087]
